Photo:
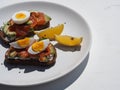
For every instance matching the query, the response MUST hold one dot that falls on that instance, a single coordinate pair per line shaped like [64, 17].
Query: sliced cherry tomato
[23, 54]
[20, 33]
[41, 19]
[33, 19]
[37, 18]
[44, 54]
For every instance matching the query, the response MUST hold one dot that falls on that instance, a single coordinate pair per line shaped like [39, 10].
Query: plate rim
[76, 64]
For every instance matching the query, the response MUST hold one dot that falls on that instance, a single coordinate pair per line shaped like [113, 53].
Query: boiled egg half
[23, 43]
[38, 46]
[21, 17]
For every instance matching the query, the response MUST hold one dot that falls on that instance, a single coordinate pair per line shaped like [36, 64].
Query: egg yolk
[38, 46]
[20, 15]
[24, 42]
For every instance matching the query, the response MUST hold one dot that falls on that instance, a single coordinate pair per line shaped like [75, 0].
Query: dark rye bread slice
[4, 38]
[30, 61]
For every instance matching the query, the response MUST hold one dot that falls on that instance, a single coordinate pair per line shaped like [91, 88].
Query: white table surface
[100, 69]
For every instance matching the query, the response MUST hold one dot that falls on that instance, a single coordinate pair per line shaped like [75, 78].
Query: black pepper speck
[72, 38]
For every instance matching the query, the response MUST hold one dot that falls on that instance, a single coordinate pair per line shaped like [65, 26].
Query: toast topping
[20, 17]
[38, 46]
[23, 43]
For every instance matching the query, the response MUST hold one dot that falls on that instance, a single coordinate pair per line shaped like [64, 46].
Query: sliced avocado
[13, 54]
[11, 37]
[52, 50]
[9, 34]
[44, 59]
[7, 31]
[5, 28]
[29, 22]
[47, 18]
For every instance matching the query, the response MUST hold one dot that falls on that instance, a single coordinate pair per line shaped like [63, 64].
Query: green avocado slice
[9, 34]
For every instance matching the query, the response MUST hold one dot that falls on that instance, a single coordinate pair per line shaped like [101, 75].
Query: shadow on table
[59, 84]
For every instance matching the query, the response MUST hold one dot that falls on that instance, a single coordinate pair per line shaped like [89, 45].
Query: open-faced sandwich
[22, 24]
[29, 51]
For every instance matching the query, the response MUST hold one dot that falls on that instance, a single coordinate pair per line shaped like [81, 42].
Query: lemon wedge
[68, 40]
[50, 32]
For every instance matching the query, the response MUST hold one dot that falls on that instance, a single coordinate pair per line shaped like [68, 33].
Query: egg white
[36, 37]
[46, 43]
[23, 20]
[17, 46]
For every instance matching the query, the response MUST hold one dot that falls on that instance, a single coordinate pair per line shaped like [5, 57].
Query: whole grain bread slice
[30, 61]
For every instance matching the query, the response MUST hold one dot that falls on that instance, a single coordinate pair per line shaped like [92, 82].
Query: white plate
[67, 58]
